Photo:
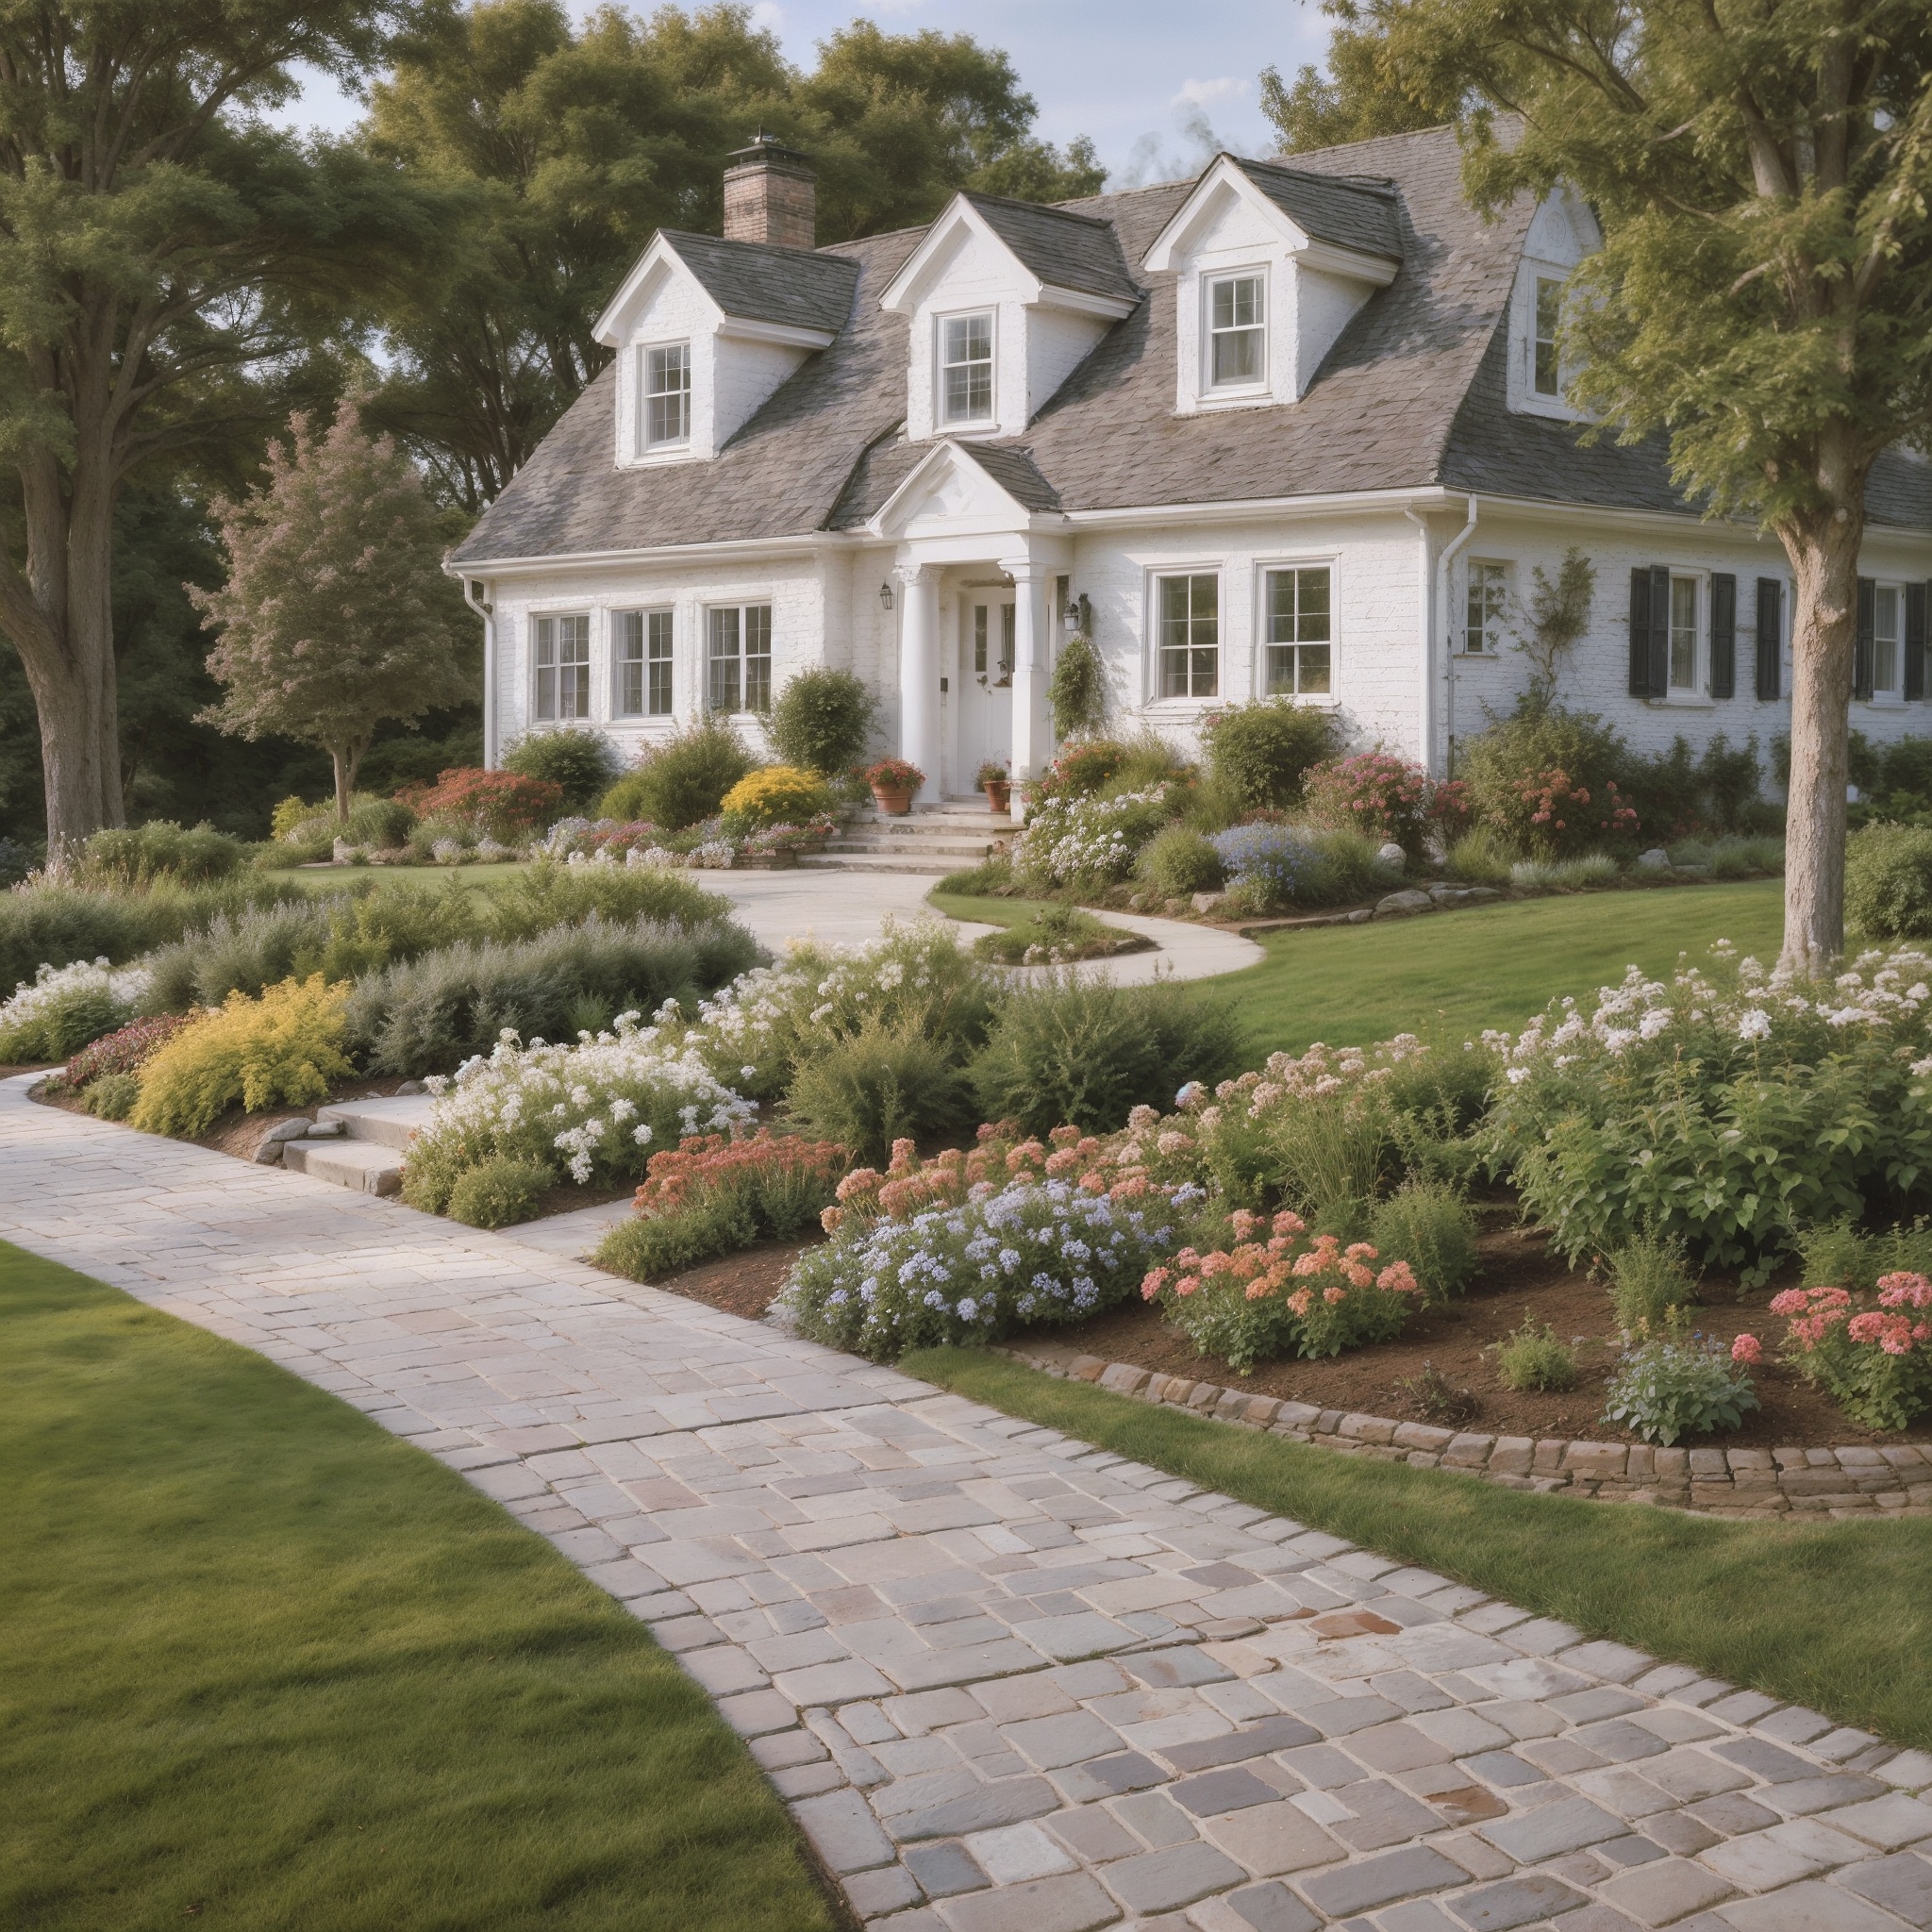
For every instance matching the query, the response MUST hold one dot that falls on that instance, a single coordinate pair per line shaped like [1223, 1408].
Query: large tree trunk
[1823, 553]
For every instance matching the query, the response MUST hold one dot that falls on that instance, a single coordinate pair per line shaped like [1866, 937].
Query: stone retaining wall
[1716, 1482]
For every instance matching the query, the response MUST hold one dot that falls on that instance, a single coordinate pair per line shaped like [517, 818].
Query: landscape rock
[1208, 902]
[1404, 905]
[1390, 853]
[1656, 860]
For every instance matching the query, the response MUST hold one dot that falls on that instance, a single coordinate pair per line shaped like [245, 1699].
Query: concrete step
[365, 1167]
[897, 848]
[918, 824]
[391, 1122]
[879, 861]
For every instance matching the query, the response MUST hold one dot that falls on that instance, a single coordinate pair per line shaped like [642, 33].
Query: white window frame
[1698, 690]
[741, 659]
[649, 443]
[546, 641]
[1538, 339]
[941, 413]
[656, 623]
[1219, 278]
[1265, 570]
[1895, 692]
[1157, 648]
[1488, 635]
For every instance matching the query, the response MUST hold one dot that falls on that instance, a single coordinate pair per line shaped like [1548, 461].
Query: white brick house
[1285, 428]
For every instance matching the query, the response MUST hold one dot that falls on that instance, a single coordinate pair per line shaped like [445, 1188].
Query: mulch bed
[1521, 1275]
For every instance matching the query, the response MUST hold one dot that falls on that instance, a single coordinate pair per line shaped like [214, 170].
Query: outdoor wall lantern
[1079, 614]
[885, 595]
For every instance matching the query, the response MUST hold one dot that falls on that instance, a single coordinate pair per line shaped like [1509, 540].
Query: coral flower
[1747, 1349]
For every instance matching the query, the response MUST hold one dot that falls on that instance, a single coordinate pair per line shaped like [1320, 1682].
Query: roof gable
[953, 486]
[787, 294]
[1353, 226]
[1062, 258]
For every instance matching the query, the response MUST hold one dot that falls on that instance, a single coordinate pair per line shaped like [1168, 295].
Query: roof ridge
[1043, 208]
[1372, 184]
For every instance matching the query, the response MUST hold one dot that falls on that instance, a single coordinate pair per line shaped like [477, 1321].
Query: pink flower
[1747, 1349]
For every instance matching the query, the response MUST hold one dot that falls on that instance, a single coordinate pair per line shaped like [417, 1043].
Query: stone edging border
[1716, 1482]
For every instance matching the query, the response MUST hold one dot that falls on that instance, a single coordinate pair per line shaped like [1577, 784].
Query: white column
[1032, 734]
[918, 674]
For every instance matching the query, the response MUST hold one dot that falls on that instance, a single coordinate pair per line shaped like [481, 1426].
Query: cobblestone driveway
[1009, 1683]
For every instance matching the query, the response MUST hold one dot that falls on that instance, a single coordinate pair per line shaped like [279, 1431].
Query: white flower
[1754, 1024]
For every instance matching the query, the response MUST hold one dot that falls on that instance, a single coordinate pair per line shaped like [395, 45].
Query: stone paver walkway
[1007, 1682]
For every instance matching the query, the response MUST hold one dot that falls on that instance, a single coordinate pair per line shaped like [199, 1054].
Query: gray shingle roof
[1351, 214]
[758, 283]
[1411, 395]
[1066, 249]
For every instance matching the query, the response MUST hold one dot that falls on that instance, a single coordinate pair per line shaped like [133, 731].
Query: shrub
[1877, 1360]
[594, 1107]
[159, 850]
[1481, 857]
[1717, 791]
[992, 878]
[1649, 1283]
[1178, 862]
[112, 1097]
[1272, 865]
[1079, 771]
[1843, 1256]
[1533, 1358]
[878, 1085]
[1505, 768]
[280, 1050]
[66, 1007]
[1056, 935]
[580, 764]
[504, 806]
[821, 721]
[712, 1194]
[384, 823]
[125, 1051]
[1077, 692]
[544, 895]
[683, 780]
[1679, 1386]
[1429, 1224]
[427, 1015]
[500, 1192]
[1376, 794]
[1590, 872]
[1075, 840]
[1087, 1052]
[1288, 1294]
[244, 953]
[1262, 753]
[773, 795]
[17, 859]
[1147, 759]
[950, 1265]
[1888, 881]
[1723, 1110]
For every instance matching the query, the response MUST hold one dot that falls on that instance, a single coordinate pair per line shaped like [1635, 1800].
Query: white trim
[660, 255]
[1226, 170]
[965, 424]
[1261, 565]
[1210, 391]
[1154, 574]
[901, 299]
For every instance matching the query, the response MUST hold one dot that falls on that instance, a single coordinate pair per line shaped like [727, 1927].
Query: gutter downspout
[1436, 598]
[488, 613]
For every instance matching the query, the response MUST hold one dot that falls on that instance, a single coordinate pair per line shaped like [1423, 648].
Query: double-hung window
[740, 658]
[966, 368]
[1886, 656]
[664, 387]
[1488, 585]
[643, 663]
[1237, 325]
[1683, 633]
[561, 651]
[1546, 376]
[1189, 627]
[1299, 636]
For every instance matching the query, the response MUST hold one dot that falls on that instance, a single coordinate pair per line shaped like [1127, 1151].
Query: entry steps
[365, 1152]
[930, 838]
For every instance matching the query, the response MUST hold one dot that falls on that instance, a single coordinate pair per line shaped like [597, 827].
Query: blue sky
[1157, 85]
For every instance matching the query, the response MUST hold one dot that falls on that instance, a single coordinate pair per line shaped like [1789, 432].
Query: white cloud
[1200, 94]
[768, 17]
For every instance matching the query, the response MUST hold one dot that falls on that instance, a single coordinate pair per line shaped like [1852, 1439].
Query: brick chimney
[771, 194]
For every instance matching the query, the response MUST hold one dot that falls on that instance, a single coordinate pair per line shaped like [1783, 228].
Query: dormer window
[1237, 331]
[665, 388]
[966, 368]
[1549, 309]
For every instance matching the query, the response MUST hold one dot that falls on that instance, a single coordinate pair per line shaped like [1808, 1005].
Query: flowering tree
[335, 615]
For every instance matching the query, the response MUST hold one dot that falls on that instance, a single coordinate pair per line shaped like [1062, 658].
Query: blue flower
[969, 1308]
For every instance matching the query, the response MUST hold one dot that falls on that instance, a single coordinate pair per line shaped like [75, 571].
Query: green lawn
[1834, 1615]
[267, 1667]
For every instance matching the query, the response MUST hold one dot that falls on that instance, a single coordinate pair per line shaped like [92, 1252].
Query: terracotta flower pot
[894, 801]
[999, 796]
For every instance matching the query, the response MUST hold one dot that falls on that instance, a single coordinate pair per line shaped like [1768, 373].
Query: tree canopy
[1356, 99]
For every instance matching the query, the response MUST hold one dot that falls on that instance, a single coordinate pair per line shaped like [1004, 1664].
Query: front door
[986, 684]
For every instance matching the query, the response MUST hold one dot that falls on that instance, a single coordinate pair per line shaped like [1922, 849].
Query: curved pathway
[850, 908]
[1009, 1683]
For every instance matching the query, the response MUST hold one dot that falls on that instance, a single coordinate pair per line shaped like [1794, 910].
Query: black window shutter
[1640, 633]
[1868, 628]
[1915, 640]
[1724, 635]
[1770, 637]
[1659, 631]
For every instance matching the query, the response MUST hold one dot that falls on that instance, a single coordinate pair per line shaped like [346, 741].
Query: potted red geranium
[893, 781]
[993, 780]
